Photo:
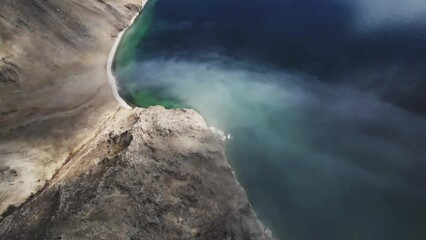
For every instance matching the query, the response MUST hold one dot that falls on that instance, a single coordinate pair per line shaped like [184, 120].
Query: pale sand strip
[111, 78]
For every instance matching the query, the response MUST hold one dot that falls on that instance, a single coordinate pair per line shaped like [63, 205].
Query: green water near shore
[125, 55]
[126, 58]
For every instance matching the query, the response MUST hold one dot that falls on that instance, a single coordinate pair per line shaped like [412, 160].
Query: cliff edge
[149, 174]
[74, 165]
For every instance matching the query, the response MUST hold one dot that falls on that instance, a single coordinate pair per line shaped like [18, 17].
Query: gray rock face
[149, 174]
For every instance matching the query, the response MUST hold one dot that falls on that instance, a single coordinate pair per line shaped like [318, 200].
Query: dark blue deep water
[325, 101]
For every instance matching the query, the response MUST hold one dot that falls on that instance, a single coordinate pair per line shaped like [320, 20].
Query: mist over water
[327, 121]
[375, 14]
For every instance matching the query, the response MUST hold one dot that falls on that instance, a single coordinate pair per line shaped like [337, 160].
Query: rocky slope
[150, 174]
[53, 85]
[74, 165]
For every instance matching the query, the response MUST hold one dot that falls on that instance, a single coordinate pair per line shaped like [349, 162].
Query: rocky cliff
[74, 165]
[149, 174]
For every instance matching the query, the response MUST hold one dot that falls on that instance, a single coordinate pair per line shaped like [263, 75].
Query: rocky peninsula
[76, 165]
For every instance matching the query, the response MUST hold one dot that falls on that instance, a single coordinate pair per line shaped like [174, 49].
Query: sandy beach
[110, 73]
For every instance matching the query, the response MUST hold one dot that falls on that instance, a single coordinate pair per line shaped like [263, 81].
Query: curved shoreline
[111, 78]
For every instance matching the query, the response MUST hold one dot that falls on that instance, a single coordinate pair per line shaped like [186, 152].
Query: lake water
[325, 101]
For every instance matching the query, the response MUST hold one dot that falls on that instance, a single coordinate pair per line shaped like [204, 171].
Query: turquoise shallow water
[324, 100]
